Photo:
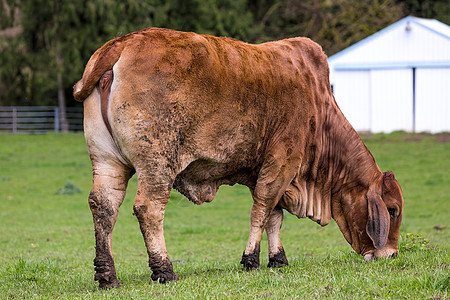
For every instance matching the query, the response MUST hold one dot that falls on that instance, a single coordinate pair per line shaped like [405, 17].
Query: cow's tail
[101, 61]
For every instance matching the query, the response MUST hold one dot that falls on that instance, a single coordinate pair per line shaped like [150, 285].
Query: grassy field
[47, 237]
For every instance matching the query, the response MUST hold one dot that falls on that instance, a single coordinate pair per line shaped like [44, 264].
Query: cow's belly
[200, 180]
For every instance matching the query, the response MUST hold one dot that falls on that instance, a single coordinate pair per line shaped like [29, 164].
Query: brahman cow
[193, 112]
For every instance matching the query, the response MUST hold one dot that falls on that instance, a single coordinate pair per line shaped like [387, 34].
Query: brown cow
[194, 112]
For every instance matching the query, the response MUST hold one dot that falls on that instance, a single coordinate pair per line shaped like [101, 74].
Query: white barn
[396, 79]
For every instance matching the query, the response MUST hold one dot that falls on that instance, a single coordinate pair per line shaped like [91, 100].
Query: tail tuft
[78, 91]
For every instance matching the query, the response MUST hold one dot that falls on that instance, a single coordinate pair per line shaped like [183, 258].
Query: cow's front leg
[250, 257]
[149, 207]
[275, 175]
[105, 198]
[277, 257]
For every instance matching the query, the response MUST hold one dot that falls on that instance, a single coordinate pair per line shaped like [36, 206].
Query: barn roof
[410, 42]
[435, 25]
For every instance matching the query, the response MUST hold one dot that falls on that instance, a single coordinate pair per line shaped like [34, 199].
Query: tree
[334, 24]
[436, 9]
[13, 79]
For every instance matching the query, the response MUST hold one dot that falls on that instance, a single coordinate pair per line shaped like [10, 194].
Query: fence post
[14, 119]
[56, 119]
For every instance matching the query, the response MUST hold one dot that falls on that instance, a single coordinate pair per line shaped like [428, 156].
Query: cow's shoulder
[311, 51]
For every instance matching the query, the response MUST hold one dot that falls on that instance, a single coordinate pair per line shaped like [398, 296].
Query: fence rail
[38, 119]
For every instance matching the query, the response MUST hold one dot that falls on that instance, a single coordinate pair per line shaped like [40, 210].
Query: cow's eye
[391, 212]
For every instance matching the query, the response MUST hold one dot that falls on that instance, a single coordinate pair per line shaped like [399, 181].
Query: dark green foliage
[39, 39]
[415, 242]
[68, 189]
[333, 24]
[436, 9]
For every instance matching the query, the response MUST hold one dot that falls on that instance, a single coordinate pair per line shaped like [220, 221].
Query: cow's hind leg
[107, 194]
[151, 200]
[277, 257]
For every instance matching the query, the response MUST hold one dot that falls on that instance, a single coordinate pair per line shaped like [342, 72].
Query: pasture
[47, 237]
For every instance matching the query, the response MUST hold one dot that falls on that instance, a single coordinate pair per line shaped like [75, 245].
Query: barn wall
[376, 100]
[352, 93]
[433, 99]
[392, 107]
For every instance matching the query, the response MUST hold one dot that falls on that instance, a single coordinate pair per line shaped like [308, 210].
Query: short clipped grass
[47, 237]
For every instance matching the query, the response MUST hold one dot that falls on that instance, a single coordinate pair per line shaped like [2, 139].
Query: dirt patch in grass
[417, 137]
[406, 136]
[443, 137]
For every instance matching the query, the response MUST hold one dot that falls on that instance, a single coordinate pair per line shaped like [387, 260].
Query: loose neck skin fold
[350, 169]
[336, 170]
[344, 157]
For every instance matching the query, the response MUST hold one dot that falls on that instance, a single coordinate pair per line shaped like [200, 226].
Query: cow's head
[371, 224]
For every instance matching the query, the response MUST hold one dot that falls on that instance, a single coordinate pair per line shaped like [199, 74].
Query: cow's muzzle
[383, 253]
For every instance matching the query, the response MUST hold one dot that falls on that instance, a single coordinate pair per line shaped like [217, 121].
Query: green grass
[47, 238]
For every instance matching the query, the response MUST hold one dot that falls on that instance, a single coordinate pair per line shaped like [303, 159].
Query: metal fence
[38, 119]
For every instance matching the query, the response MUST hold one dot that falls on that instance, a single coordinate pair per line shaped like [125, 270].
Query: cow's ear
[388, 181]
[378, 220]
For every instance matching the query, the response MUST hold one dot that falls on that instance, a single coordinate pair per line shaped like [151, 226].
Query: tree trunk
[63, 124]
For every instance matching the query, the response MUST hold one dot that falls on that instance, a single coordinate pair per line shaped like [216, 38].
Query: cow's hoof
[278, 260]
[106, 282]
[105, 273]
[250, 261]
[164, 276]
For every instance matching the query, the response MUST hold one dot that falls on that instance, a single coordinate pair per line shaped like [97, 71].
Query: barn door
[391, 100]
[433, 99]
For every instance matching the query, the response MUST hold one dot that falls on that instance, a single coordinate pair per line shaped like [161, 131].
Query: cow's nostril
[394, 255]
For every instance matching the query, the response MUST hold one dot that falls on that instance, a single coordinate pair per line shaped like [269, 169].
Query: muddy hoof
[250, 261]
[278, 260]
[164, 277]
[107, 284]
[105, 273]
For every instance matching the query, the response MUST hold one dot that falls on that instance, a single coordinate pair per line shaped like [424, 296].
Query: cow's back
[213, 79]
[211, 107]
